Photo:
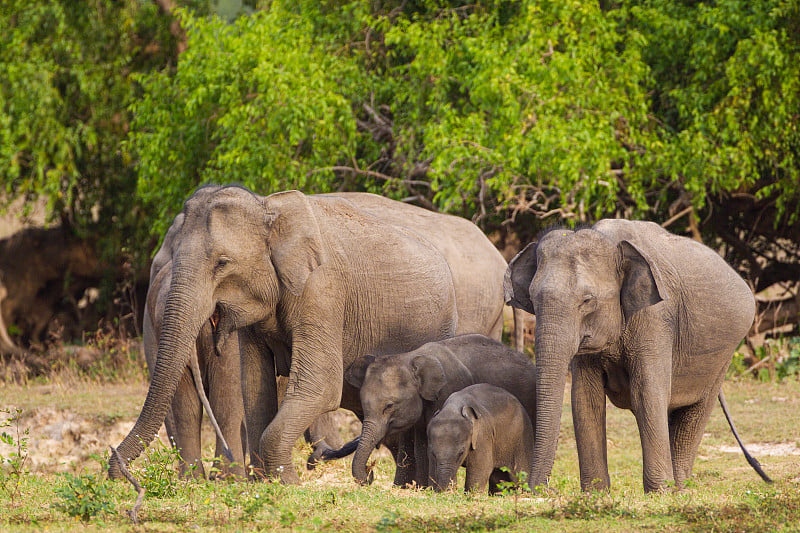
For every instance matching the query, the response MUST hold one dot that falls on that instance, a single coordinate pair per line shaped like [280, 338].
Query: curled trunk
[371, 436]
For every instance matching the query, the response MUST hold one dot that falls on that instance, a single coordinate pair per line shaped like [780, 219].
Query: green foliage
[520, 107]
[262, 103]
[157, 471]
[488, 109]
[484, 108]
[726, 88]
[65, 81]
[789, 366]
[84, 496]
[775, 360]
[13, 467]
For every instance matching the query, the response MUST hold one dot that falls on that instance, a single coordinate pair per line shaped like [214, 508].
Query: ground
[72, 420]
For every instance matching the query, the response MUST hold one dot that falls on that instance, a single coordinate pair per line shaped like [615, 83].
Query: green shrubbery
[776, 359]
[490, 109]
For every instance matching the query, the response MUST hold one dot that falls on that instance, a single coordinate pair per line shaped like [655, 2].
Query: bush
[84, 496]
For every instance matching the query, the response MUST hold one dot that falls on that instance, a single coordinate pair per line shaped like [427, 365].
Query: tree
[515, 114]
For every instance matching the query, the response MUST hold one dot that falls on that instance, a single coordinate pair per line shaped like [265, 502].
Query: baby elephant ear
[517, 281]
[471, 414]
[641, 280]
[355, 373]
[430, 376]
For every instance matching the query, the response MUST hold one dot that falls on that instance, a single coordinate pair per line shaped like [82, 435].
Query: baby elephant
[401, 392]
[484, 428]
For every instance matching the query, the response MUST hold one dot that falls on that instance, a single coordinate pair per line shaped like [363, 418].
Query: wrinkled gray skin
[644, 317]
[401, 392]
[310, 283]
[220, 373]
[221, 379]
[484, 428]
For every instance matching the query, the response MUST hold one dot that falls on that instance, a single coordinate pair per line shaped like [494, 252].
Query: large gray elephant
[218, 368]
[648, 319]
[311, 283]
[219, 373]
[401, 392]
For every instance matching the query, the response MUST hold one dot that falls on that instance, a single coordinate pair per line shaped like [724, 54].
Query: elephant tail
[194, 365]
[344, 451]
[323, 453]
[750, 459]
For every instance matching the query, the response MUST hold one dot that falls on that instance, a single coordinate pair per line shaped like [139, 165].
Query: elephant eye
[221, 263]
[388, 406]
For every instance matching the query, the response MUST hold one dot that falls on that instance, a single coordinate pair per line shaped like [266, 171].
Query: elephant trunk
[177, 340]
[555, 347]
[444, 476]
[371, 435]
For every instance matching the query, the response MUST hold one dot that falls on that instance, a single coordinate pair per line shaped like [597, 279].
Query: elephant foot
[285, 474]
[659, 488]
[225, 471]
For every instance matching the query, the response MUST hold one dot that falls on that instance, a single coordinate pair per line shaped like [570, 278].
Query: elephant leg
[323, 435]
[479, 470]
[187, 416]
[225, 397]
[650, 392]
[325, 432]
[589, 418]
[402, 449]
[259, 393]
[686, 425]
[315, 388]
[421, 477]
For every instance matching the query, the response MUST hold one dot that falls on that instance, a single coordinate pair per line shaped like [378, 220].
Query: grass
[723, 495]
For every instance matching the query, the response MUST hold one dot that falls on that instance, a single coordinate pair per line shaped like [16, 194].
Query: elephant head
[452, 434]
[582, 287]
[392, 390]
[236, 253]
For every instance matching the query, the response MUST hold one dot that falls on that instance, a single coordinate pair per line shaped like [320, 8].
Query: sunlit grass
[723, 495]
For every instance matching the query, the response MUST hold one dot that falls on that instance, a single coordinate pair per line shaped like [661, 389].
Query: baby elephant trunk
[371, 435]
[444, 477]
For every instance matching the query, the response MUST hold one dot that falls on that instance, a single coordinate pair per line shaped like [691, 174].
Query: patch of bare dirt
[765, 448]
[60, 440]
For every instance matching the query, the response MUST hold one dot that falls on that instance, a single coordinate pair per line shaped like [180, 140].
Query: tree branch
[372, 174]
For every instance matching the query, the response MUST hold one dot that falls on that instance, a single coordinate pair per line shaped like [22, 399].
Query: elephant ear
[295, 241]
[470, 413]
[641, 280]
[517, 281]
[430, 376]
[355, 373]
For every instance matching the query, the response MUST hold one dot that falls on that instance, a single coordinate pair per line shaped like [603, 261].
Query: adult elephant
[217, 372]
[647, 318]
[311, 283]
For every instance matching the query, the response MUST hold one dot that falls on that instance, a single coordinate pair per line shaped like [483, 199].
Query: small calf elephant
[484, 428]
[401, 392]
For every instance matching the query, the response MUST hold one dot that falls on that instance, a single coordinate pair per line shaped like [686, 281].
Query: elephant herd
[396, 313]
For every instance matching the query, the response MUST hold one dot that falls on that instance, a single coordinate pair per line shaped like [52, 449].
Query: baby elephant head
[393, 388]
[452, 434]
